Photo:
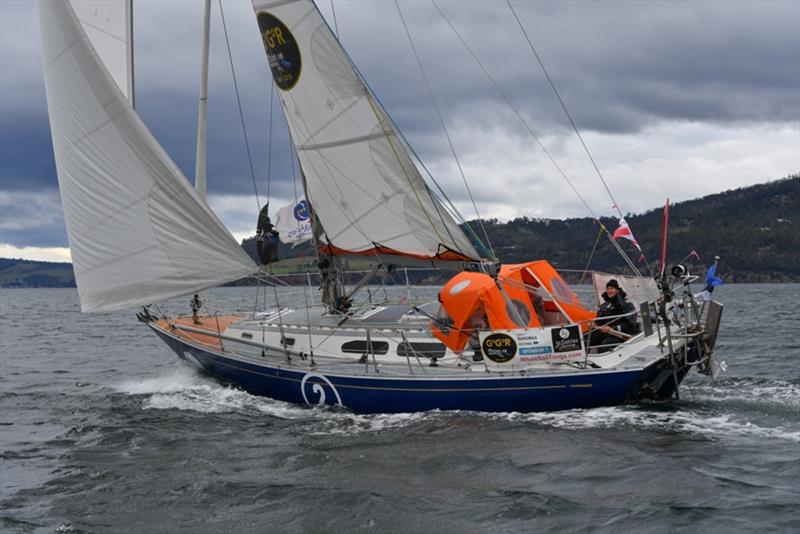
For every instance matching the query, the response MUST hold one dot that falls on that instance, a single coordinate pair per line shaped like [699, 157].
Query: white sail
[138, 232]
[108, 25]
[362, 185]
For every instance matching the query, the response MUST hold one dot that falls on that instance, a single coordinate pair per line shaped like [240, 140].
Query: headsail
[108, 25]
[138, 232]
[360, 180]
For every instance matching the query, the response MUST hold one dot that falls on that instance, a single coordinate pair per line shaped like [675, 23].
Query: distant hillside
[755, 230]
[24, 273]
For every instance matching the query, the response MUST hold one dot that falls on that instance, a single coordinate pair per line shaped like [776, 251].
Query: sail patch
[282, 51]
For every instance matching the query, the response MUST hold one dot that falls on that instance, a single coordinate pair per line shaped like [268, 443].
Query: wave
[749, 390]
[682, 421]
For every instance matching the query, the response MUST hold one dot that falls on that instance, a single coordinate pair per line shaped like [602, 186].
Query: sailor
[616, 320]
[266, 237]
[196, 305]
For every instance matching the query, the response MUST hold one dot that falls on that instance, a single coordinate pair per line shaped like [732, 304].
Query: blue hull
[375, 394]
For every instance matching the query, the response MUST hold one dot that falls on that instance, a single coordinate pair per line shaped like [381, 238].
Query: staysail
[360, 180]
[138, 233]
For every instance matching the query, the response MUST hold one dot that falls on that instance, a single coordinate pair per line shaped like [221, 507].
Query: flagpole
[663, 264]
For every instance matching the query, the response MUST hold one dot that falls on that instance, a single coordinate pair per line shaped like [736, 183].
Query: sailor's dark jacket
[619, 305]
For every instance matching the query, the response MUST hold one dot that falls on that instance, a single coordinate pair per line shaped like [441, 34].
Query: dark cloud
[622, 67]
[32, 218]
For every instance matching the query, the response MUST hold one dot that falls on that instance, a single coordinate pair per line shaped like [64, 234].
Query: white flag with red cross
[624, 231]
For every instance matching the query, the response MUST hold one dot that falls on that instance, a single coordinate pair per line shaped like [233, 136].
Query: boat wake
[701, 413]
[730, 408]
[778, 394]
[682, 421]
[185, 389]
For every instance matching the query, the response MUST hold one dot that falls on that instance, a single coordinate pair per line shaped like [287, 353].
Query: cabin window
[518, 311]
[561, 290]
[421, 350]
[247, 336]
[360, 346]
[287, 341]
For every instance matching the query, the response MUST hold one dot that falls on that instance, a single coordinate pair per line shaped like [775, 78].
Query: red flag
[624, 231]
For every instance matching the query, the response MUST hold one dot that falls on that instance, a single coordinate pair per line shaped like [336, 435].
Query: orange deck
[207, 322]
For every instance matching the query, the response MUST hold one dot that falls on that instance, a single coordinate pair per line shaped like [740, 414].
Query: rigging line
[533, 134]
[269, 143]
[239, 105]
[516, 112]
[444, 127]
[564, 107]
[591, 255]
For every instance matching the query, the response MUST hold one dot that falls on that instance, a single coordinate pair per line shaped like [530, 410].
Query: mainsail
[360, 180]
[138, 232]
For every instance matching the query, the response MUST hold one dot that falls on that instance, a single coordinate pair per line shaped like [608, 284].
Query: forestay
[138, 233]
[360, 180]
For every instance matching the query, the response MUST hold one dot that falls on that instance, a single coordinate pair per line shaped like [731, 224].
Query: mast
[200, 161]
[328, 265]
[129, 42]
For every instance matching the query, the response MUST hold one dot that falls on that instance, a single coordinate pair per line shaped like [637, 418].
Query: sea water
[103, 429]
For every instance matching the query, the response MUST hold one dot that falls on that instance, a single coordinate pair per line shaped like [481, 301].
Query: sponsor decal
[535, 350]
[499, 348]
[301, 211]
[283, 53]
[566, 339]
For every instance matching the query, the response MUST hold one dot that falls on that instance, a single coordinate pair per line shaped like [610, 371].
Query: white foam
[348, 423]
[771, 392]
[180, 378]
[184, 388]
[681, 421]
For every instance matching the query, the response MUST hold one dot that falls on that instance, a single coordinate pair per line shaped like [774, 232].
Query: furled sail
[360, 180]
[138, 232]
[108, 25]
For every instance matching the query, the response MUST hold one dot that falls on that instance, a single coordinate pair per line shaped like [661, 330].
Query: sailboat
[499, 337]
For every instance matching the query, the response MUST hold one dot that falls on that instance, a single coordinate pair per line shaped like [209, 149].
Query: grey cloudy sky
[675, 99]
